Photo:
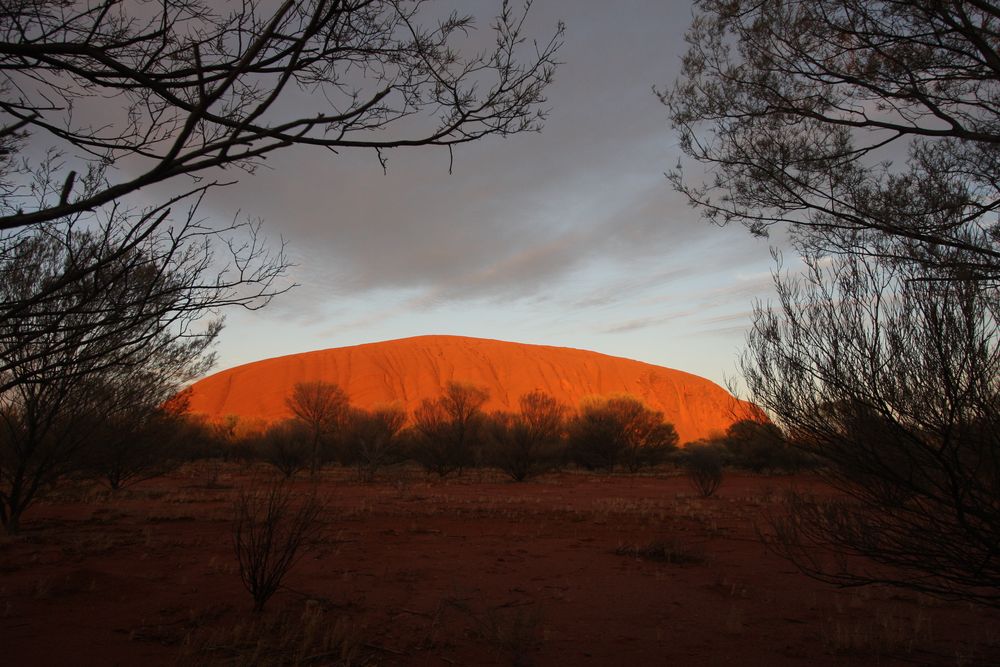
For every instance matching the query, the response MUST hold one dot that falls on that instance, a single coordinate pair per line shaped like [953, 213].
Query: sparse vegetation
[664, 551]
[527, 443]
[271, 531]
[447, 432]
[372, 591]
[861, 126]
[288, 638]
[286, 446]
[703, 465]
[372, 439]
[619, 431]
[323, 408]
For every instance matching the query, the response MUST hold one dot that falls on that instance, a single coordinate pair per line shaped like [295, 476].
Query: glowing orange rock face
[410, 369]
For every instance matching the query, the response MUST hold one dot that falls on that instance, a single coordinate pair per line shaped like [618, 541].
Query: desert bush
[883, 354]
[136, 447]
[619, 431]
[269, 536]
[447, 432]
[136, 440]
[528, 443]
[758, 446]
[703, 465]
[286, 446]
[323, 408]
[230, 438]
[372, 440]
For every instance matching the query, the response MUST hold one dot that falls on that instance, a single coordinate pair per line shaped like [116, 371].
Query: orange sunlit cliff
[410, 369]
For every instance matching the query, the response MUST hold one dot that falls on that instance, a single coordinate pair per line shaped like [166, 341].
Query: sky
[571, 237]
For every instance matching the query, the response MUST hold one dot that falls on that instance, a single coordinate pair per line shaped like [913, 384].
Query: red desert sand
[569, 570]
[410, 369]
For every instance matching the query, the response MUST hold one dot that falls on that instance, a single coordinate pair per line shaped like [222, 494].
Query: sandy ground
[470, 571]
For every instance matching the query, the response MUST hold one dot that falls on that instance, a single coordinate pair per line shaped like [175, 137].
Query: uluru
[408, 370]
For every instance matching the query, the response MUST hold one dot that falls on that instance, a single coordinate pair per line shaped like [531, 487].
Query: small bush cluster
[761, 447]
[619, 431]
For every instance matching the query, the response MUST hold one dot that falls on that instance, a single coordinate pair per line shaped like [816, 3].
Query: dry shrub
[447, 432]
[372, 440]
[322, 408]
[270, 535]
[286, 446]
[663, 551]
[619, 431]
[309, 638]
[703, 465]
[529, 443]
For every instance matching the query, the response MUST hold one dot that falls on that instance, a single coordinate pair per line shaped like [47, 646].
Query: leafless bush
[136, 440]
[125, 453]
[891, 380]
[269, 536]
[703, 465]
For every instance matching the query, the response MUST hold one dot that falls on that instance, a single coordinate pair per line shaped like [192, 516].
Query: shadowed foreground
[571, 569]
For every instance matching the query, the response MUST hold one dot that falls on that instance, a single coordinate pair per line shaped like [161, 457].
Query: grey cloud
[636, 324]
[517, 215]
[578, 218]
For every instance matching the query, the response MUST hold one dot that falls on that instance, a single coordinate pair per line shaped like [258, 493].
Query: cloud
[519, 216]
[636, 324]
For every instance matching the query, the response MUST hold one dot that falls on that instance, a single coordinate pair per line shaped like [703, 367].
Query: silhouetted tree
[852, 121]
[323, 408]
[94, 348]
[372, 440]
[870, 128]
[180, 89]
[892, 382]
[100, 100]
[447, 431]
[134, 439]
[527, 443]
[619, 430]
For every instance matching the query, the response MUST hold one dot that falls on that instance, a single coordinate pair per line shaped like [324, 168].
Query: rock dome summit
[408, 370]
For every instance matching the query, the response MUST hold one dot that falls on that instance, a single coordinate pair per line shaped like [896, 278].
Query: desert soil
[411, 570]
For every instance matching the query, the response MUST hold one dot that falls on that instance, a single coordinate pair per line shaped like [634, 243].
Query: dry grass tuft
[310, 638]
[664, 551]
